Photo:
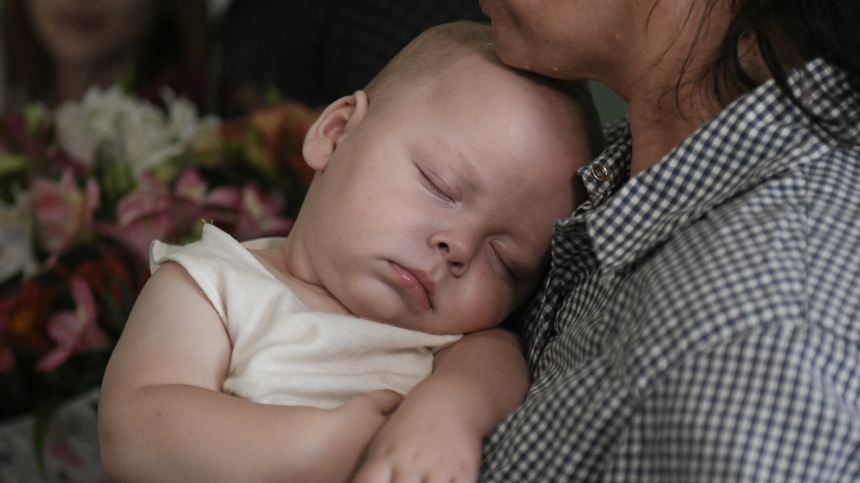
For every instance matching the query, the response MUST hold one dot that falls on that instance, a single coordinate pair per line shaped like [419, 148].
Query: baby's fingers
[355, 424]
[361, 417]
[385, 472]
[375, 473]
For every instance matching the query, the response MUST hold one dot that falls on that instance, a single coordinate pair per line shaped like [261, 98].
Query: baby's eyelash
[511, 271]
[430, 185]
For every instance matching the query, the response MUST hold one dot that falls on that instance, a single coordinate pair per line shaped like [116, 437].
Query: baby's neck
[314, 296]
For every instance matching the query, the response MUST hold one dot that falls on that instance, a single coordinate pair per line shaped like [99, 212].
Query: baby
[430, 216]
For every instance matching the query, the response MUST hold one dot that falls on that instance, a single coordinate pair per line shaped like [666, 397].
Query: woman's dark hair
[788, 33]
[178, 36]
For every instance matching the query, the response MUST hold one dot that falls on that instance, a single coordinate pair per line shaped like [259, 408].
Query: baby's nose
[457, 255]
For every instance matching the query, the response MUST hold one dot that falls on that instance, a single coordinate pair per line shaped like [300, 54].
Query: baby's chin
[408, 323]
[391, 312]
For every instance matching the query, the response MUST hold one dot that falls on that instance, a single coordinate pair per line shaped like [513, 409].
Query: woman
[55, 49]
[700, 322]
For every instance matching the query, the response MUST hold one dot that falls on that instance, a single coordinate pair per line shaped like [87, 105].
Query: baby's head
[437, 187]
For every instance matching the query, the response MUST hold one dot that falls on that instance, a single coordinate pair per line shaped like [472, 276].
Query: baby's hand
[436, 433]
[411, 448]
[377, 404]
[359, 420]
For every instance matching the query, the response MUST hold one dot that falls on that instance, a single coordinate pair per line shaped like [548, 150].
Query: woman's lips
[417, 285]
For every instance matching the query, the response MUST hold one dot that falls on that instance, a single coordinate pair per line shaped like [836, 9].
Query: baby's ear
[339, 118]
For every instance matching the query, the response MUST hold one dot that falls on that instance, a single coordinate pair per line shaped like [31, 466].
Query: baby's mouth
[417, 285]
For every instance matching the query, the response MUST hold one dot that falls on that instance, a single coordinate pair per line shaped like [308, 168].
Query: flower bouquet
[85, 189]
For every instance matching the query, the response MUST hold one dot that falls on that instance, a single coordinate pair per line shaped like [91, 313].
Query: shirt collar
[756, 137]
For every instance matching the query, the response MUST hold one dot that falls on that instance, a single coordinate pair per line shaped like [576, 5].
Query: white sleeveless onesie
[283, 353]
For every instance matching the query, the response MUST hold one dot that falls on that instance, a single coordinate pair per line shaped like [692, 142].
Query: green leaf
[169, 169]
[273, 95]
[13, 163]
[118, 181]
[41, 427]
[34, 115]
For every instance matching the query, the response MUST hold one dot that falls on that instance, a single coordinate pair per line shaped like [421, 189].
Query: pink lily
[258, 216]
[62, 210]
[74, 331]
[142, 216]
[189, 195]
[247, 211]
[221, 204]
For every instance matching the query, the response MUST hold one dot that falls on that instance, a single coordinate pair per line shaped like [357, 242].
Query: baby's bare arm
[437, 432]
[162, 416]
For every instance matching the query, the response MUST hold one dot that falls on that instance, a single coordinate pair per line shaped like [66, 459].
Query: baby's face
[439, 213]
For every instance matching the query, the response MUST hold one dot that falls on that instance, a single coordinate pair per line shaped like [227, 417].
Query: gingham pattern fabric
[701, 321]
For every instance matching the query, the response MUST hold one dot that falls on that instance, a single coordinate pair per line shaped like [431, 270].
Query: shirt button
[600, 172]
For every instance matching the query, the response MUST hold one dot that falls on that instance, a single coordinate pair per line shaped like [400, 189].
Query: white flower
[83, 127]
[15, 243]
[145, 138]
[126, 129]
[184, 121]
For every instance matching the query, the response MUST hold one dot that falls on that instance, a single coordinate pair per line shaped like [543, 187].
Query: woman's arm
[162, 416]
[436, 433]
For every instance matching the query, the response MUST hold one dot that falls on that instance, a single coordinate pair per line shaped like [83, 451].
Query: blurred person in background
[54, 50]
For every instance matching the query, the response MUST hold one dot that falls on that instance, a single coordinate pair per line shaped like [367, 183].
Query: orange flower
[27, 319]
[282, 130]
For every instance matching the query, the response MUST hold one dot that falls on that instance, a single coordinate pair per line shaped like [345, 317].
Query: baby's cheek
[497, 302]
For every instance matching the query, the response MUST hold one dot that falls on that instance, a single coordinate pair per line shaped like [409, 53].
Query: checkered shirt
[701, 321]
